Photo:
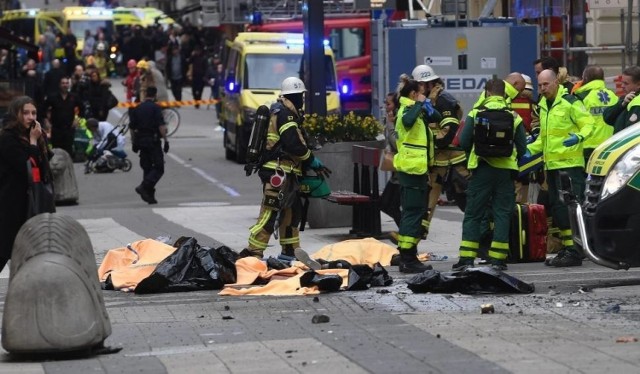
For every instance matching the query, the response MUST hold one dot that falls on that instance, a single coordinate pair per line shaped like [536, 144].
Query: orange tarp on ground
[250, 268]
[129, 265]
[367, 251]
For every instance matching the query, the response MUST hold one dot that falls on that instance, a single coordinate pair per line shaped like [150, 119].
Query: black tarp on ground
[191, 268]
[469, 281]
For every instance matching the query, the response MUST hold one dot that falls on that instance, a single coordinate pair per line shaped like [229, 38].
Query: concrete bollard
[54, 303]
[65, 184]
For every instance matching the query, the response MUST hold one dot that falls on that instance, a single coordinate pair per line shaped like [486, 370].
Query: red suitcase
[528, 234]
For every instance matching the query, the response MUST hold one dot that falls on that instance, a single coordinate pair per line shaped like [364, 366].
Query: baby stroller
[104, 159]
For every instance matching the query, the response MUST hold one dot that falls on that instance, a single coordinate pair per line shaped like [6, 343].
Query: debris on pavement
[470, 281]
[626, 339]
[615, 308]
[320, 318]
[487, 309]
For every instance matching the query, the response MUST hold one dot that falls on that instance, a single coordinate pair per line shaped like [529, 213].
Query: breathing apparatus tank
[258, 139]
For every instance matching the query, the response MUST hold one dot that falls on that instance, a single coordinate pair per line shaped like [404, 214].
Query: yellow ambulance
[80, 19]
[256, 65]
[32, 23]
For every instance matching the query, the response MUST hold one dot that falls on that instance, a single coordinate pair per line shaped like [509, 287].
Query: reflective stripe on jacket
[566, 115]
[493, 102]
[415, 142]
[596, 98]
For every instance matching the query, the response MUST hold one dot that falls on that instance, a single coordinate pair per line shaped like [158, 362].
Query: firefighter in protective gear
[596, 98]
[491, 183]
[144, 80]
[527, 109]
[564, 126]
[448, 159]
[415, 149]
[102, 61]
[626, 111]
[287, 157]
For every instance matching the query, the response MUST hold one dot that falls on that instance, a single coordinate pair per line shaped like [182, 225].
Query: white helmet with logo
[292, 85]
[424, 73]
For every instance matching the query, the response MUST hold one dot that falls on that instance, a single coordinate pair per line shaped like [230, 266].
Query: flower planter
[337, 157]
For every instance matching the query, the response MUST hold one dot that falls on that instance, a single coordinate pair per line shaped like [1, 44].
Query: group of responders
[171, 104]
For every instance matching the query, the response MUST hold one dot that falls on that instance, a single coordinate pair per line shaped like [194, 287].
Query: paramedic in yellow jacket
[565, 124]
[514, 83]
[415, 149]
[596, 98]
[444, 131]
[288, 156]
[493, 161]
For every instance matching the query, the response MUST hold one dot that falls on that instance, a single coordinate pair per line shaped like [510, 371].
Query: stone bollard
[65, 184]
[54, 302]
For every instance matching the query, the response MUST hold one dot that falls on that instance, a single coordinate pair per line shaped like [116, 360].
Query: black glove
[135, 148]
[166, 147]
[324, 172]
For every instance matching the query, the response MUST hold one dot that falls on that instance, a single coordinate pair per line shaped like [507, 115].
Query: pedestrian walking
[176, 70]
[61, 110]
[198, 71]
[148, 129]
[626, 111]
[20, 139]
[412, 162]
[564, 125]
[288, 157]
[493, 163]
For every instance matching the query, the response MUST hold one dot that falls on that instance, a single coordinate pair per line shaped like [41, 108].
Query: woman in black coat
[20, 138]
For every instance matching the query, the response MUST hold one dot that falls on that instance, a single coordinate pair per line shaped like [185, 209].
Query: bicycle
[171, 119]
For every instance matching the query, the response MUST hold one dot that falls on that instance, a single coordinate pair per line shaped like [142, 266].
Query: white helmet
[100, 47]
[292, 85]
[424, 73]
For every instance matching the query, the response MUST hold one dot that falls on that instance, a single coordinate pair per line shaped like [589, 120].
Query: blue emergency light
[345, 87]
[231, 86]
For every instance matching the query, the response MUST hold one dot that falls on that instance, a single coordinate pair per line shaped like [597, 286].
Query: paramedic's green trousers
[492, 188]
[560, 210]
[414, 190]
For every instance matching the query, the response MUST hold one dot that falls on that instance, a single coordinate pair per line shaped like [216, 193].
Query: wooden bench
[365, 196]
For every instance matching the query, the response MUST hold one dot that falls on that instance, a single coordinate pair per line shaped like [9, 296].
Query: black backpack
[493, 133]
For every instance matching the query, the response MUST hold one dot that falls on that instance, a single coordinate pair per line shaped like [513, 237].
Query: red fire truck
[350, 39]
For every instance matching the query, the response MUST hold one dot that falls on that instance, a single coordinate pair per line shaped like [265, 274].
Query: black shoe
[498, 265]
[395, 259]
[152, 194]
[303, 257]
[248, 252]
[410, 264]
[144, 194]
[571, 258]
[324, 282]
[561, 254]
[274, 263]
[287, 252]
[463, 264]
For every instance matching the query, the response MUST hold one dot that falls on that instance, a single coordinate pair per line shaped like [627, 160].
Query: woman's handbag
[41, 198]
[386, 161]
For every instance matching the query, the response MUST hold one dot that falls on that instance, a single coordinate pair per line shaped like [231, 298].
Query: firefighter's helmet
[142, 64]
[100, 47]
[292, 85]
[424, 73]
